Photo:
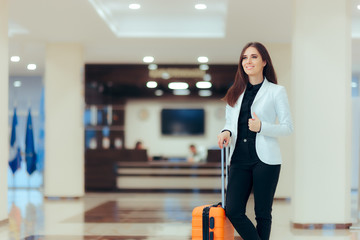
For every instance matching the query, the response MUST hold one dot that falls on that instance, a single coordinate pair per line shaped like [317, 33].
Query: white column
[64, 131]
[321, 53]
[4, 89]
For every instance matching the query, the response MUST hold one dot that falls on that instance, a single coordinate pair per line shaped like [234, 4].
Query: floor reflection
[135, 216]
[25, 212]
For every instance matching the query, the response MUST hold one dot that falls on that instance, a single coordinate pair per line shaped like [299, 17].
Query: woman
[254, 102]
[139, 145]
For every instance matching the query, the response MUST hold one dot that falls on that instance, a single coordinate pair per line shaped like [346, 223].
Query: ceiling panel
[171, 31]
[163, 18]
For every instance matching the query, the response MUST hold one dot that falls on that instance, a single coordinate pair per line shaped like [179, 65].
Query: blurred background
[118, 91]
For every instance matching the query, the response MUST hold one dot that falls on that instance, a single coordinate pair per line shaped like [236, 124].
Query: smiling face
[252, 62]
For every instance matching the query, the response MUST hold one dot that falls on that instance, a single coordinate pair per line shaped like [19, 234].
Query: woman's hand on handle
[224, 139]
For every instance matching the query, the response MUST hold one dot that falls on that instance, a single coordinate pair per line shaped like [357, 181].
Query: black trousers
[263, 179]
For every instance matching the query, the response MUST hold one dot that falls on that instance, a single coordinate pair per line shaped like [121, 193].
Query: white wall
[149, 130]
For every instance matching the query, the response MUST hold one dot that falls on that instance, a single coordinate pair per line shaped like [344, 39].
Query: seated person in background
[196, 155]
[139, 145]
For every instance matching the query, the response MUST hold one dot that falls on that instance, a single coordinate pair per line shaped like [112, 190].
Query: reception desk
[130, 170]
[101, 166]
[168, 176]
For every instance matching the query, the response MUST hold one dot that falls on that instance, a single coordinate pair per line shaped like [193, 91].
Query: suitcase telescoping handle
[224, 160]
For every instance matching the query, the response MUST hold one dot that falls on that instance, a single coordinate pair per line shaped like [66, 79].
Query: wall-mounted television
[182, 121]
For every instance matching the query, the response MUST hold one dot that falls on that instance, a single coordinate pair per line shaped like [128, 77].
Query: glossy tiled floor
[120, 216]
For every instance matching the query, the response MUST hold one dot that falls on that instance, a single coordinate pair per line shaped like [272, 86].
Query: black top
[245, 135]
[245, 111]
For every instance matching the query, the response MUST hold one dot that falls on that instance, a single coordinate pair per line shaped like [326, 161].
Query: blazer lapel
[239, 101]
[261, 91]
[236, 111]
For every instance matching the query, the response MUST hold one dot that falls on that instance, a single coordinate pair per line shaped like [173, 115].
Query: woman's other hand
[224, 139]
[254, 123]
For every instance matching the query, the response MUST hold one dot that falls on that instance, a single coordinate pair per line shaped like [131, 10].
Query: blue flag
[15, 153]
[30, 154]
[41, 138]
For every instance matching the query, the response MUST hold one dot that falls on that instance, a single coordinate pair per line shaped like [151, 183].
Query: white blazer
[270, 104]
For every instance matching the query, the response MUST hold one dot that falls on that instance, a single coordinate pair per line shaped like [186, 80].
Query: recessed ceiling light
[358, 6]
[151, 84]
[159, 92]
[204, 67]
[354, 84]
[152, 66]
[15, 59]
[148, 59]
[134, 6]
[203, 84]
[205, 93]
[203, 59]
[17, 84]
[200, 6]
[207, 77]
[181, 92]
[165, 75]
[178, 85]
[31, 67]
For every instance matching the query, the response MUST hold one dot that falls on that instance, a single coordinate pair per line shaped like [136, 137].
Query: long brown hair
[241, 78]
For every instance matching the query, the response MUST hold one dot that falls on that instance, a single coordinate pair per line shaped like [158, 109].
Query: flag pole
[13, 185]
[14, 182]
[30, 154]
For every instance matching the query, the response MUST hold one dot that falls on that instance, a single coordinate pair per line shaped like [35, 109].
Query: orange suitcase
[209, 221]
